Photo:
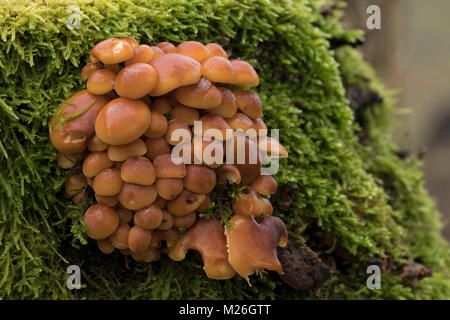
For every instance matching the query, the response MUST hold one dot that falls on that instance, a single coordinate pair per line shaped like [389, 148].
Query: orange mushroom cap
[199, 178]
[157, 51]
[187, 114]
[183, 132]
[228, 173]
[113, 122]
[112, 51]
[252, 246]
[174, 70]
[245, 74]
[206, 237]
[75, 183]
[94, 144]
[100, 81]
[149, 217]
[167, 221]
[215, 122]
[123, 152]
[110, 201]
[139, 239]
[142, 54]
[158, 126]
[216, 50]
[193, 49]
[138, 170]
[105, 246]
[101, 221]
[228, 107]
[135, 80]
[272, 147]
[201, 95]
[240, 121]
[131, 41]
[186, 221]
[73, 122]
[168, 188]
[249, 103]
[247, 203]
[89, 69]
[167, 47]
[157, 147]
[185, 203]
[165, 167]
[136, 197]
[96, 162]
[218, 69]
[161, 105]
[119, 239]
[265, 185]
[108, 182]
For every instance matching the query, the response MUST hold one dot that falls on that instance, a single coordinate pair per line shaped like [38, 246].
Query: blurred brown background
[411, 52]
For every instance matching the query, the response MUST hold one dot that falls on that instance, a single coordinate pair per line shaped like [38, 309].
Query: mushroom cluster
[121, 132]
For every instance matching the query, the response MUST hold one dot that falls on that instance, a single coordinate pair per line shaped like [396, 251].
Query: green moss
[370, 202]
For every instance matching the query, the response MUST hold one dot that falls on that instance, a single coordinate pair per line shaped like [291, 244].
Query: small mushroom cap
[142, 54]
[187, 114]
[168, 189]
[101, 221]
[75, 183]
[107, 201]
[247, 159]
[108, 182]
[167, 221]
[158, 126]
[201, 95]
[78, 197]
[247, 203]
[204, 205]
[212, 123]
[112, 51]
[174, 70]
[193, 49]
[89, 69]
[161, 105]
[272, 147]
[115, 68]
[266, 206]
[149, 217]
[260, 127]
[72, 124]
[94, 144]
[167, 47]
[119, 239]
[169, 166]
[139, 239]
[160, 202]
[169, 236]
[228, 173]
[209, 152]
[185, 203]
[125, 216]
[249, 103]
[252, 246]
[177, 132]
[148, 255]
[131, 41]
[67, 161]
[265, 185]
[138, 170]
[240, 121]
[186, 221]
[136, 197]
[113, 122]
[228, 107]
[199, 178]
[206, 237]
[126, 151]
[100, 81]
[96, 162]
[105, 246]
[216, 50]
[246, 75]
[157, 147]
[218, 69]
[135, 80]
[157, 51]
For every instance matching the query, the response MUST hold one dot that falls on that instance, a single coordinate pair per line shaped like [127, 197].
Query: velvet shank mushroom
[101, 221]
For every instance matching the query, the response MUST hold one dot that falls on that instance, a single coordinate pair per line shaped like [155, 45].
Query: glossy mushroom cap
[246, 75]
[161, 105]
[101, 221]
[199, 178]
[75, 183]
[185, 203]
[252, 246]
[167, 221]
[131, 41]
[265, 185]
[100, 81]
[218, 69]
[204, 205]
[267, 208]
[247, 203]
[96, 162]
[111, 201]
[126, 151]
[108, 182]
[149, 217]
[138, 170]
[89, 69]
[105, 246]
[139, 239]
[158, 126]
[67, 161]
[228, 107]
[174, 70]
[167, 47]
[201, 95]
[165, 167]
[186, 221]
[240, 121]
[72, 124]
[136, 197]
[273, 148]
[157, 51]
[168, 189]
[228, 173]
[206, 237]
[112, 51]
[142, 54]
[193, 49]
[187, 114]
[119, 239]
[216, 50]
[249, 103]
[136, 80]
[212, 123]
[94, 144]
[125, 216]
[157, 147]
[113, 122]
[260, 127]
[177, 132]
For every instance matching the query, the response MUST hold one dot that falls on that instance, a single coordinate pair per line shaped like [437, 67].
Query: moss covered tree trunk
[345, 191]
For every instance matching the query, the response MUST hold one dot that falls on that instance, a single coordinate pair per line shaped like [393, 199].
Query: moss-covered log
[345, 191]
